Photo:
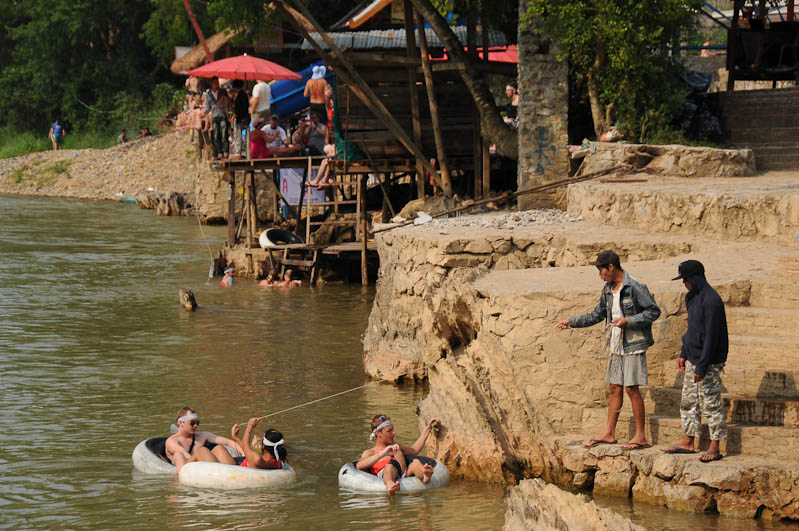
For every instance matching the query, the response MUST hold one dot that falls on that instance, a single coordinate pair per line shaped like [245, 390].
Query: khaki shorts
[627, 370]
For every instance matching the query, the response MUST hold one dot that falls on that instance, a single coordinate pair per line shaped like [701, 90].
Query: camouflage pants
[703, 398]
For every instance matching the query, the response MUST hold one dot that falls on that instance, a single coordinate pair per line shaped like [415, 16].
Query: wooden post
[231, 210]
[486, 172]
[410, 39]
[477, 148]
[732, 44]
[364, 232]
[446, 185]
[253, 208]
[359, 87]
[306, 174]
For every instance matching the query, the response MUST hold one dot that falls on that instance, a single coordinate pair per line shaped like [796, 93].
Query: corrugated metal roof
[395, 38]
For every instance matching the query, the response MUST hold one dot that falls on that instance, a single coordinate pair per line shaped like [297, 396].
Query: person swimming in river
[273, 453]
[188, 444]
[227, 280]
[387, 458]
[269, 281]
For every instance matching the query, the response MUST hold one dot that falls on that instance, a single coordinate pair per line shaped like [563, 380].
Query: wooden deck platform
[274, 163]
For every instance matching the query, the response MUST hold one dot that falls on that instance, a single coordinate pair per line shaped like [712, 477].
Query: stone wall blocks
[724, 476]
[613, 483]
[687, 498]
[642, 461]
[666, 467]
[478, 246]
[733, 504]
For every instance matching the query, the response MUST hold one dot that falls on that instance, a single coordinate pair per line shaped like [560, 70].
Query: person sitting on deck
[317, 136]
[387, 458]
[323, 179]
[188, 444]
[275, 135]
[258, 149]
[273, 453]
[227, 280]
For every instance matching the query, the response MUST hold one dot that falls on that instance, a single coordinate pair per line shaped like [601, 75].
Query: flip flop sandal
[597, 442]
[711, 456]
[678, 450]
[635, 446]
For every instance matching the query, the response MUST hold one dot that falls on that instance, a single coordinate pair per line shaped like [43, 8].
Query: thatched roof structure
[196, 56]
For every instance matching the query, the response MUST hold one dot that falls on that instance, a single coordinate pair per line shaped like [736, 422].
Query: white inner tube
[147, 461]
[353, 479]
[229, 477]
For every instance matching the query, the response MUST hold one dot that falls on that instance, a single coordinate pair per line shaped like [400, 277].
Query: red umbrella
[244, 67]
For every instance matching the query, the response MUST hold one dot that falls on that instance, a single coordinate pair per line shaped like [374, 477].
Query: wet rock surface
[533, 504]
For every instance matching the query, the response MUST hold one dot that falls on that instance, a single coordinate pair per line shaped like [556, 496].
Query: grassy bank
[14, 143]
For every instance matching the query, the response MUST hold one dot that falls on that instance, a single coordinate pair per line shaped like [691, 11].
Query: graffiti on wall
[544, 147]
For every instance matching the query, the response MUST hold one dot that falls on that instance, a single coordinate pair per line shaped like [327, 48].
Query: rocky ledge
[472, 308]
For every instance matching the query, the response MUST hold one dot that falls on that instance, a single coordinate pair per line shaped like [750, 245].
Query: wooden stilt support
[231, 210]
[486, 172]
[410, 39]
[306, 175]
[446, 185]
[364, 232]
[477, 148]
[252, 211]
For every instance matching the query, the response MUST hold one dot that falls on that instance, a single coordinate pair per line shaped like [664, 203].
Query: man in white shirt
[260, 101]
[275, 135]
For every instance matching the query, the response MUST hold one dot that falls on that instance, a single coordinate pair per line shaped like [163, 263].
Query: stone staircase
[761, 379]
[764, 121]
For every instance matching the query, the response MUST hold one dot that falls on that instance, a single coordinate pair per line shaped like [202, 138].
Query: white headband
[189, 416]
[385, 423]
[267, 442]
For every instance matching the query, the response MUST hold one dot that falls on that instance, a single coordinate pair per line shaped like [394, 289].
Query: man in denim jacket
[628, 310]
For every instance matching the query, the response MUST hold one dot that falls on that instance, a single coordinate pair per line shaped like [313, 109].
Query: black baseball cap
[606, 258]
[690, 268]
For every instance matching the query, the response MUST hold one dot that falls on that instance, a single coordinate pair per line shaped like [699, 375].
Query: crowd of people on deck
[228, 117]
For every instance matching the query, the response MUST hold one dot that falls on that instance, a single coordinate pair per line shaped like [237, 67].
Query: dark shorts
[59, 139]
[321, 110]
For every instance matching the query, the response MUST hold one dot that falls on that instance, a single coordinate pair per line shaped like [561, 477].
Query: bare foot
[393, 489]
[428, 473]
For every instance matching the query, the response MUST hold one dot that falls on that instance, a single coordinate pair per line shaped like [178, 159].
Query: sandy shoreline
[164, 163]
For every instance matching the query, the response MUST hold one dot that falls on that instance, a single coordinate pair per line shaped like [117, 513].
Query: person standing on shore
[702, 358]
[628, 310]
[57, 134]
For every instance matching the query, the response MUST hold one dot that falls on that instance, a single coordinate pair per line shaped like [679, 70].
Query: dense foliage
[620, 51]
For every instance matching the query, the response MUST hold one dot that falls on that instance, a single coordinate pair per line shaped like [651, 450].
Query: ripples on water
[96, 355]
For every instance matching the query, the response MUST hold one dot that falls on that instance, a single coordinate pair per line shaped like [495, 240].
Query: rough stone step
[750, 378]
[744, 410]
[769, 293]
[768, 442]
[767, 352]
[776, 162]
[756, 321]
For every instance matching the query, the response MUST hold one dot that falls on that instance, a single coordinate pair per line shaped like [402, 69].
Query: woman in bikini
[273, 453]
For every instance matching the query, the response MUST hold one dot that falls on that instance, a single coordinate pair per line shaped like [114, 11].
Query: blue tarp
[287, 97]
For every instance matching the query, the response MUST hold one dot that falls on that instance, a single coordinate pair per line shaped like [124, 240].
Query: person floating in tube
[188, 444]
[273, 453]
[387, 458]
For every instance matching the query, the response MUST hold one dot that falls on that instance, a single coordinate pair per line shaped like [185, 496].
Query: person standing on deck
[241, 120]
[261, 101]
[702, 358]
[317, 90]
[628, 310]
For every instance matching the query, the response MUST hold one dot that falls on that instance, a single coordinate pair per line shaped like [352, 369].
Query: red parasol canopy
[244, 67]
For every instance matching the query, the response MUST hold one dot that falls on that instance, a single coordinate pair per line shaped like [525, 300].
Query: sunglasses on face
[382, 418]
[194, 422]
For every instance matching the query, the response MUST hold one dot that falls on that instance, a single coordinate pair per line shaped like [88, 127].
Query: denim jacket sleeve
[648, 308]
[598, 315]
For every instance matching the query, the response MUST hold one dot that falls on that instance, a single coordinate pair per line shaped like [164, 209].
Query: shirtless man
[316, 89]
[387, 458]
[188, 444]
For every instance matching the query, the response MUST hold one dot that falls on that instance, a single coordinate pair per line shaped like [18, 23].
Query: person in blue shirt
[57, 134]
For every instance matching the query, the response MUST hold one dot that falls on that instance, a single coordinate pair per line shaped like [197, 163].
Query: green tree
[66, 55]
[169, 25]
[621, 51]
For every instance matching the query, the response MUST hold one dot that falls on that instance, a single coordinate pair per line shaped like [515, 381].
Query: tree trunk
[597, 113]
[492, 125]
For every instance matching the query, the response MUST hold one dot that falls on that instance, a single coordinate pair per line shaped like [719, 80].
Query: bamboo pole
[446, 185]
[416, 117]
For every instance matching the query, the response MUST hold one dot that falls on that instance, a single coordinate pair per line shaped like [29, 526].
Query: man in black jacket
[704, 353]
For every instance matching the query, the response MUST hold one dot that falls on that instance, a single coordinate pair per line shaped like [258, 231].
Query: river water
[96, 355]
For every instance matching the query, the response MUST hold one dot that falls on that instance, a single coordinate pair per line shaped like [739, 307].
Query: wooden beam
[350, 76]
[231, 210]
[504, 69]
[364, 233]
[446, 185]
[416, 115]
[377, 59]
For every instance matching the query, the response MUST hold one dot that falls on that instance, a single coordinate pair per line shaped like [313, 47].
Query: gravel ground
[164, 163]
[507, 220]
